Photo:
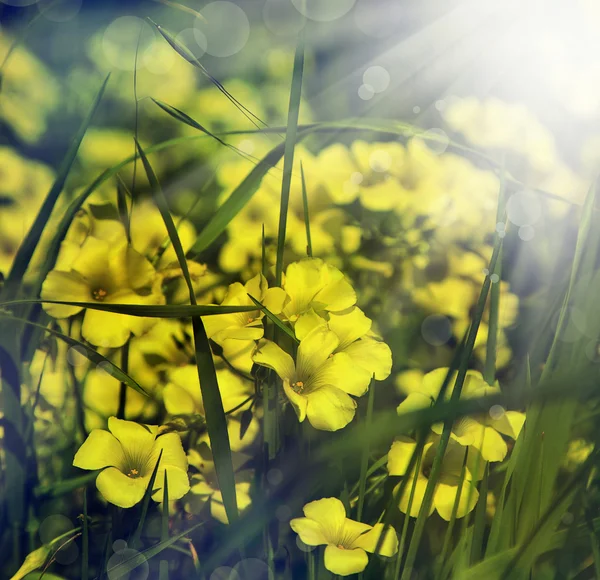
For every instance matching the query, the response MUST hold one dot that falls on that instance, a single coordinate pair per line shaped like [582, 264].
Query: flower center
[133, 473]
[298, 386]
[341, 547]
[99, 294]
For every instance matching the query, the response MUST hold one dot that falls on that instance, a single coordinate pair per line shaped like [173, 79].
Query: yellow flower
[446, 490]
[182, 396]
[359, 354]
[347, 541]
[311, 283]
[104, 272]
[482, 431]
[244, 325]
[128, 455]
[205, 486]
[101, 400]
[319, 385]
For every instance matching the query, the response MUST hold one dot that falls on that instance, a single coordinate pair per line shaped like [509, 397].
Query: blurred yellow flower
[109, 273]
[205, 486]
[482, 432]
[348, 541]
[447, 488]
[127, 456]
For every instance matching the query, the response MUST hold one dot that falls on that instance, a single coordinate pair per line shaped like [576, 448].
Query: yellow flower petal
[349, 326]
[345, 562]
[329, 408]
[314, 350]
[509, 424]
[330, 513]
[132, 435]
[374, 356]
[92, 261]
[120, 490]
[414, 402]
[420, 485]
[178, 482]
[307, 322]
[178, 401]
[105, 329]
[271, 355]
[370, 539]
[310, 531]
[400, 454]
[409, 381]
[65, 287]
[445, 496]
[100, 449]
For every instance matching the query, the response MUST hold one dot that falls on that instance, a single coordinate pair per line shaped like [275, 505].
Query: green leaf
[137, 535]
[185, 53]
[163, 569]
[240, 196]
[275, 319]
[216, 421]
[124, 568]
[144, 310]
[309, 251]
[87, 351]
[29, 244]
[288, 156]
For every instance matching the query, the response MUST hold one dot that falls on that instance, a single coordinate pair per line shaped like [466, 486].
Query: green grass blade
[64, 487]
[85, 543]
[445, 436]
[29, 244]
[124, 568]
[275, 319]
[185, 53]
[452, 522]
[480, 514]
[163, 567]
[531, 547]
[290, 145]
[309, 251]
[489, 372]
[136, 539]
[585, 226]
[122, 195]
[87, 351]
[236, 201]
[216, 420]
[364, 463]
[144, 310]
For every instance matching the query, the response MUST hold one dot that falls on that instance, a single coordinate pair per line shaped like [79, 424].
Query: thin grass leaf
[263, 253]
[489, 371]
[364, 463]
[136, 539]
[184, 52]
[163, 567]
[275, 319]
[26, 249]
[64, 487]
[309, 251]
[216, 420]
[480, 515]
[183, 8]
[582, 235]
[187, 120]
[290, 145]
[240, 196]
[122, 195]
[85, 555]
[445, 436]
[529, 550]
[87, 351]
[123, 568]
[144, 310]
